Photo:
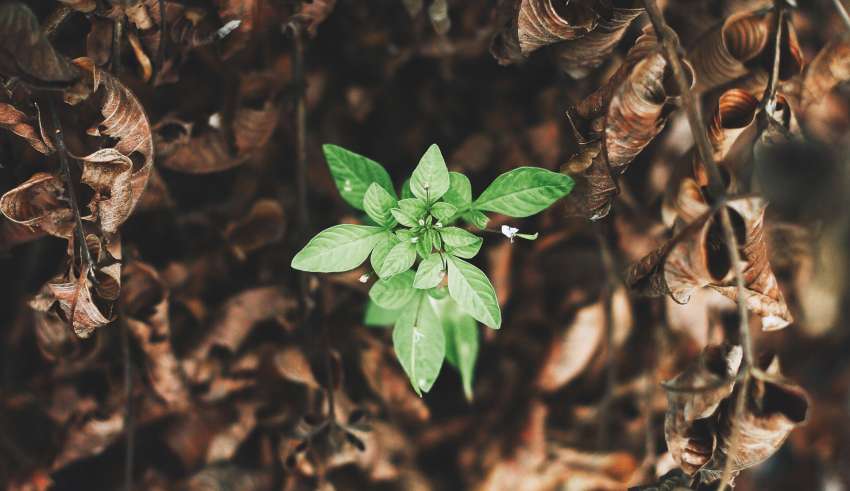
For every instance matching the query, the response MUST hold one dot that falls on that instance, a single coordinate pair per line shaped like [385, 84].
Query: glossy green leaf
[400, 258]
[385, 243]
[443, 211]
[405, 190]
[430, 272]
[336, 249]
[377, 316]
[377, 203]
[460, 191]
[353, 174]
[476, 218]
[403, 218]
[430, 179]
[473, 292]
[420, 343]
[460, 242]
[394, 292]
[461, 333]
[424, 245]
[524, 191]
[414, 208]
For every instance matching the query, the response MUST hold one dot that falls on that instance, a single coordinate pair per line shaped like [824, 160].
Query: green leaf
[476, 218]
[353, 174]
[406, 235]
[405, 190]
[377, 316]
[377, 203]
[524, 191]
[461, 333]
[443, 211]
[414, 208]
[438, 293]
[460, 242]
[420, 343]
[460, 191]
[400, 259]
[394, 292]
[473, 292]
[385, 243]
[430, 272]
[528, 236]
[436, 241]
[430, 179]
[336, 249]
[425, 243]
[403, 218]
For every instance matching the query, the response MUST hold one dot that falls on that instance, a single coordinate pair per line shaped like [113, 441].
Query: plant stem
[842, 12]
[59, 143]
[717, 192]
[129, 420]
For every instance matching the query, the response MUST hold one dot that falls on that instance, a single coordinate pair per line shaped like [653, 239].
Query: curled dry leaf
[719, 56]
[543, 22]
[695, 395]
[580, 56]
[696, 257]
[40, 203]
[571, 351]
[594, 188]
[209, 151]
[22, 125]
[239, 315]
[145, 301]
[830, 67]
[119, 174]
[311, 14]
[263, 225]
[25, 51]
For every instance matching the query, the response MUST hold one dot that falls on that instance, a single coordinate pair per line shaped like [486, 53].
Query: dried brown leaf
[263, 225]
[22, 125]
[89, 438]
[543, 22]
[292, 365]
[830, 67]
[209, 151]
[314, 13]
[40, 203]
[580, 56]
[25, 51]
[389, 383]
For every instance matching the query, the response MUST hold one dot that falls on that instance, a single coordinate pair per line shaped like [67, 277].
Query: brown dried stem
[611, 368]
[842, 12]
[129, 416]
[86, 263]
[716, 190]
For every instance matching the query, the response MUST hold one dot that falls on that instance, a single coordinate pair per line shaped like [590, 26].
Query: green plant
[434, 305]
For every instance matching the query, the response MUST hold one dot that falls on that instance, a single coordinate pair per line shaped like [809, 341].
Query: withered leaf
[543, 22]
[311, 14]
[40, 203]
[830, 67]
[263, 225]
[209, 151]
[25, 51]
[22, 125]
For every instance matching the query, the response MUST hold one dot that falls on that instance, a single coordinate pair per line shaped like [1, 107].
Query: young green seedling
[426, 288]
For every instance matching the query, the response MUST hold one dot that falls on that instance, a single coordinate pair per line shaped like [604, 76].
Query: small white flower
[215, 121]
[363, 278]
[228, 28]
[414, 239]
[438, 225]
[421, 222]
[347, 186]
[509, 232]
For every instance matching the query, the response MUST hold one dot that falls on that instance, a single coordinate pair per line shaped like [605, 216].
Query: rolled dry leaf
[26, 52]
[696, 257]
[595, 187]
[210, 152]
[263, 225]
[582, 55]
[109, 173]
[541, 23]
[830, 67]
[239, 315]
[504, 46]
[75, 299]
[145, 301]
[774, 407]
[735, 115]
[125, 121]
[40, 203]
[22, 125]
[719, 56]
[693, 397]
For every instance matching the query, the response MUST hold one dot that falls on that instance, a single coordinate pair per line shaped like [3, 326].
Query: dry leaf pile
[160, 163]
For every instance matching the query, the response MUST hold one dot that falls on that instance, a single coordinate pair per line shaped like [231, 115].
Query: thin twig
[59, 142]
[117, 33]
[768, 102]
[717, 192]
[607, 301]
[842, 12]
[129, 419]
